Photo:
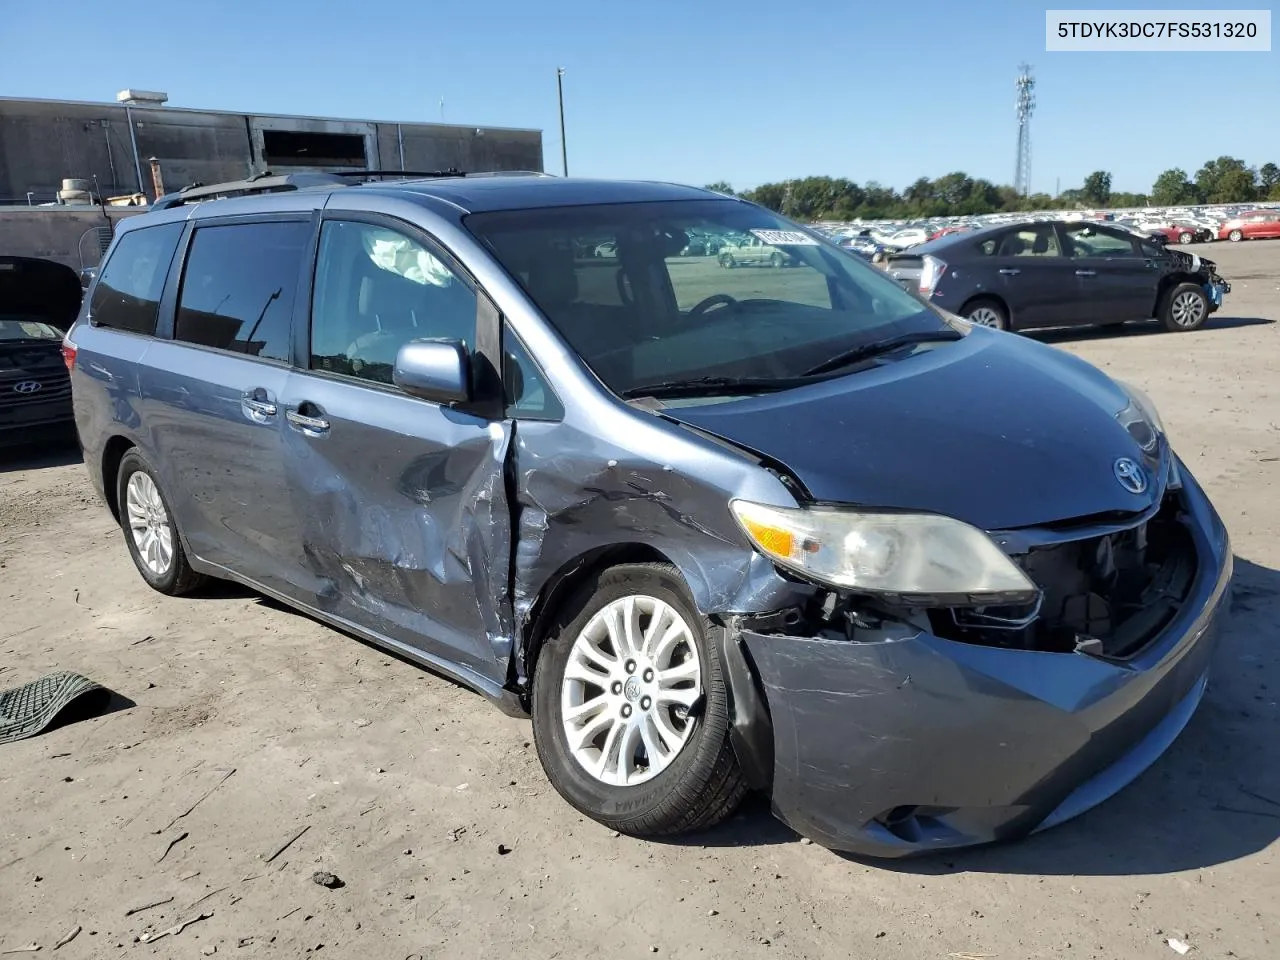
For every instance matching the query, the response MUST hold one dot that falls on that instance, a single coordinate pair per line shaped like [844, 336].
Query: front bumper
[22, 424]
[914, 743]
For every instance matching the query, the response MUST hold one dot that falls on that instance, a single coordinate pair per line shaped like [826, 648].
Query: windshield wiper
[877, 347]
[710, 386]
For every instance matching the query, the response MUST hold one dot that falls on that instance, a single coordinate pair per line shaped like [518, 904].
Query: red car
[947, 230]
[1253, 225]
[1183, 233]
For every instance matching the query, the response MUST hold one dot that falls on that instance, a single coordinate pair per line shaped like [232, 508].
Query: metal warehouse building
[43, 142]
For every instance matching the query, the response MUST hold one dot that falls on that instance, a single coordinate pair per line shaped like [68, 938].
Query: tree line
[1224, 180]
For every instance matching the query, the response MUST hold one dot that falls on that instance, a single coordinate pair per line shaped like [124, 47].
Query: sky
[693, 92]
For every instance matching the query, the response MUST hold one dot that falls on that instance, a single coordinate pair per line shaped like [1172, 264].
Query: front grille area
[19, 369]
[1109, 595]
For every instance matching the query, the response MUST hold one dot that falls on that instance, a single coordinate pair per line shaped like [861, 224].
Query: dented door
[404, 521]
[403, 516]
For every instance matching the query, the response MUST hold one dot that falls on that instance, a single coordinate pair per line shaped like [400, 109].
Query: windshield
[22, 328]
[762, 300]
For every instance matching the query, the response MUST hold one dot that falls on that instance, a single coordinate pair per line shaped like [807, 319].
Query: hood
[996, 430]
[42, 290]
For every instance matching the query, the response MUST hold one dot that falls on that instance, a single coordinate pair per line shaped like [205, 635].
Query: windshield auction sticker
[785, 238]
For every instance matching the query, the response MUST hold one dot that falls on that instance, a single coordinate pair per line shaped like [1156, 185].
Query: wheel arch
[560, 586]
[1167, 283]
[112, 453]
[989, 297]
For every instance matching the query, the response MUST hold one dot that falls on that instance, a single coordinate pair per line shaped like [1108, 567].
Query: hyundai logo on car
[1130, 475]
[26, 386]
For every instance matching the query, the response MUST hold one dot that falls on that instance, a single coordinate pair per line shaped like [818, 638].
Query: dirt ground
[240, 725]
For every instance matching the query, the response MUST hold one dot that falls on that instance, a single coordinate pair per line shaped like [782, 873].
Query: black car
[1057, 274]
[39, 300]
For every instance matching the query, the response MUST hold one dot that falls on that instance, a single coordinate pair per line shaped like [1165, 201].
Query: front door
[211, 395]
[405, 524]
[1036, 280]
[1117, 281]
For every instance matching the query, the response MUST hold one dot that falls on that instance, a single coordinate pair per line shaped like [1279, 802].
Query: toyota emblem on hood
[1130, 475]
[26, 386]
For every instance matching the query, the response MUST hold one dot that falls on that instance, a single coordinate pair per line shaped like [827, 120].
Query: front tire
[149, 529]
[1185, 238]
[1185, 308]
[727, 261]
[1235, 236]
[630, 709]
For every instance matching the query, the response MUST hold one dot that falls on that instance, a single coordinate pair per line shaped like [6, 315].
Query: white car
[907, 238]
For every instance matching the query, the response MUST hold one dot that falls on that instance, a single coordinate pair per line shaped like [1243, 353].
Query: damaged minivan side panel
[576, 494]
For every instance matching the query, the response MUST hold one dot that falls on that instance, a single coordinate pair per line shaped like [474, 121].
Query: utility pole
[564, 148]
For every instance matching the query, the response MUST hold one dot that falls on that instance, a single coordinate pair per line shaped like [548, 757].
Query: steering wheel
[716, 299]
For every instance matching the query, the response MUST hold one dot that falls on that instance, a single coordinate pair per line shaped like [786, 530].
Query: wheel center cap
[631, 689]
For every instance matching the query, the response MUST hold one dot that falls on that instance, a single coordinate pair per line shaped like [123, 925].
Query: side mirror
[435, 370]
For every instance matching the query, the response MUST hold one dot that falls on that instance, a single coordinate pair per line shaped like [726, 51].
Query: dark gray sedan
[1059, 274]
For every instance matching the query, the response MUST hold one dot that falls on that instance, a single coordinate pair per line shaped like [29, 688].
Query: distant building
[43, 142]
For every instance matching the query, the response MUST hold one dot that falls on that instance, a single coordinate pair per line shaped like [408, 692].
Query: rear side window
[238, 287]
[127, 296]
[1036, 241]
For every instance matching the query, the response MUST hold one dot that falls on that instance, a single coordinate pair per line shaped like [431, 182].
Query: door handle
[1010, 271]
[1086, 273]
[257, 405]
[311, 426]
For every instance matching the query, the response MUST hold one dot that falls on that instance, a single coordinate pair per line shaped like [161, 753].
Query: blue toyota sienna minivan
[773, 525]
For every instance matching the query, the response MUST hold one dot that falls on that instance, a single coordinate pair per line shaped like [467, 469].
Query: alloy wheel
[984, 317]
[149, 523]
[629, 687]
[1187, 309]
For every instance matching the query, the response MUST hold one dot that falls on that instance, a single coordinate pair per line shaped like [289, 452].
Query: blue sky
[691, 91]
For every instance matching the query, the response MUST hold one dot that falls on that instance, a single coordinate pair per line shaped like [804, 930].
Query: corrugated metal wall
[42, 142]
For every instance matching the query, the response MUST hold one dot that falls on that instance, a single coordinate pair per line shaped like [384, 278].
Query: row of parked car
[875, 241]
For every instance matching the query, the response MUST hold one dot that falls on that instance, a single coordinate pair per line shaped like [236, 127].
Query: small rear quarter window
[127, 296]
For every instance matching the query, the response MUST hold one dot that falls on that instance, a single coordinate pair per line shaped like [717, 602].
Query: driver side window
[1086, 240]
[377, 289]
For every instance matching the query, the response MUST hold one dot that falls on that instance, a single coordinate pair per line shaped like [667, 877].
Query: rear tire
[1184, 308]
[985, 312]
[1235, 236]
[149, 529]
[727, 261]
[610, 773]
[775, 260]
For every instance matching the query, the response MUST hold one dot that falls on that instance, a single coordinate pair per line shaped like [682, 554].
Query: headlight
[1141, 419]
[926, 555]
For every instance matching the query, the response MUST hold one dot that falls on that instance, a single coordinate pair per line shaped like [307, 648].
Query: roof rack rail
[401, 174]
[510, 173]
[264, 182]
[268, 182]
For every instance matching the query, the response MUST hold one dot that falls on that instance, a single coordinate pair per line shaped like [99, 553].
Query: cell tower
[1026, 102]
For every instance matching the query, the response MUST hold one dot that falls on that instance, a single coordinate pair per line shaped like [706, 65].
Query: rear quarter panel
[104, 392]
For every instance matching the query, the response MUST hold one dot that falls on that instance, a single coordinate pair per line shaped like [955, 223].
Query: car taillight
[931, 272]
[68, 353]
